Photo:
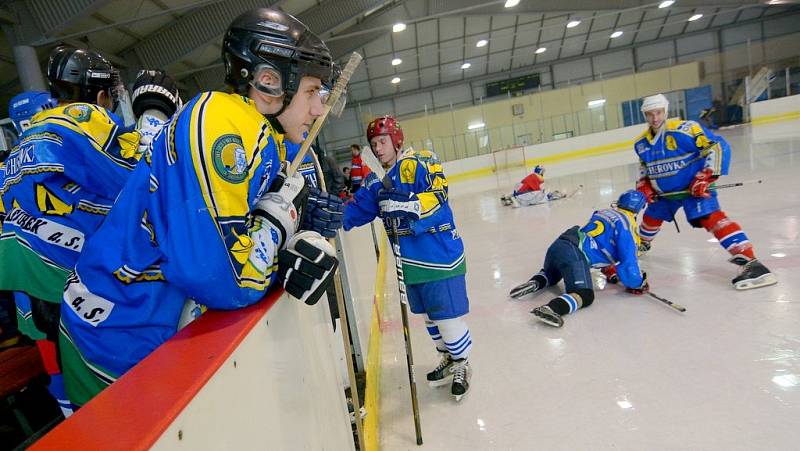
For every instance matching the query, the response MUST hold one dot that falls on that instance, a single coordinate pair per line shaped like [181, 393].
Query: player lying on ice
[431, 248]
[530, 191]
[609, 239]
[208, 214]
[680, 161]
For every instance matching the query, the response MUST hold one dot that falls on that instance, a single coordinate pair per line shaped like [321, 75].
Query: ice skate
[531, 286]
[555, 195]
[753, 274]
[548, 316]
[506, 200]
[461, 375]
[442, 374]
[644, 247]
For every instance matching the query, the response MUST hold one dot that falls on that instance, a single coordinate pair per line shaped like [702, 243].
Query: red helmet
[386, 125]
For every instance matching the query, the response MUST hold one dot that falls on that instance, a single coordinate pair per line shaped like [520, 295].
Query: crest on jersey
[640, 148]
[671, 144]
[79, 112]
[408, 170]
[230, 160]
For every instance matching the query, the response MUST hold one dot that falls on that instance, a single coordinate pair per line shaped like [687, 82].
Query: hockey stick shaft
[375, 240]
[344, 326]
[712, 188]
[336, 93]
[677, 307]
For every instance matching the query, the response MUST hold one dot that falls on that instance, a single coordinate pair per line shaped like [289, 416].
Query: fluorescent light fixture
[476, 126]
[778, 255]
[573, 23]
[541, 50]
[596, 103]
[616, 34]
[695, 17]
[666, 4]
[481, 43]
[395, 80]
[397, 62]
[465, 66]
[511, 3]
[398, 27]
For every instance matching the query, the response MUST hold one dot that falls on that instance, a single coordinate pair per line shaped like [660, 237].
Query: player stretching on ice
[530, 191]
[431, 248]
[680, 156]
[608, 239]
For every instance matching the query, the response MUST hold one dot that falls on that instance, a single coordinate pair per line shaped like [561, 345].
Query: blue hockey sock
[433, 331]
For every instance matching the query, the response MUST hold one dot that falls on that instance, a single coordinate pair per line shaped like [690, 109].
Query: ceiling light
[695, 17]
[596, 103]
[398, 27]
[481, 43]
[397, 62]
[666, 4]
[573, 23]
[511, 3]
[476, 126]
[616, 34]
[541, 50]
[466, 65]
[395, 80]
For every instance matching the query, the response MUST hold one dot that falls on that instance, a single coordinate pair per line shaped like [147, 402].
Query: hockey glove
[155, 90]
[307, 266]
[283, 205]
[610, 272]
[324, 213]
[399, 205]
[644, 187]
[642, 289]
[702, 182]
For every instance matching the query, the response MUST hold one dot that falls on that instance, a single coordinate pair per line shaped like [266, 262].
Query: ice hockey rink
[628, 372]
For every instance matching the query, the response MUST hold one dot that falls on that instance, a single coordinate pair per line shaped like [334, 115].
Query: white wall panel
[571, 71]
[412, 103]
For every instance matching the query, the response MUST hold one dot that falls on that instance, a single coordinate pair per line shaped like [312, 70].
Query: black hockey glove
[324, 213]
[307, 266]
[155, 90]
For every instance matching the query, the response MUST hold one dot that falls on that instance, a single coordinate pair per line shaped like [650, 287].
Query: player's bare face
[383, 149]
[655, 118]
[305, 107]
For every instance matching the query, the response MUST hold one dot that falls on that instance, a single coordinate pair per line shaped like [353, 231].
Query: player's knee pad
[586, 295]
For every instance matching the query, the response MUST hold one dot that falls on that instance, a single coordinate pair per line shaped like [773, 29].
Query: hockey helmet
[539, 170]
[268, 39]
[386, 125]
[79, 74]
[23, 106]
[656, 102]
[631, 200]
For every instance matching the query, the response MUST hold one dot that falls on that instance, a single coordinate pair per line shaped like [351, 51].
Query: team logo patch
[81, 113]
[408, 171]
[640, 148]
[230, 160]
[671, 144]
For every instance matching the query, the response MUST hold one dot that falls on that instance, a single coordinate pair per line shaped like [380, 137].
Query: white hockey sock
[433, 331]
[456, 336]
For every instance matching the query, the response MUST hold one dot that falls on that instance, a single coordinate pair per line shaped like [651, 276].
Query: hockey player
[431, 248]
[530, 191]
[358, 170]
[23, 106]
[680, 161]
[209, 214]
[609, 239]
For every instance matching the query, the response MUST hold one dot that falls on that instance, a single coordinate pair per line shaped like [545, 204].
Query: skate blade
[461, 396]
[763, 281]
[522, 291]
[547, 319]
[441, 382]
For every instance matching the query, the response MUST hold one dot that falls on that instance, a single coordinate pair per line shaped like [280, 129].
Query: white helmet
[655, 102]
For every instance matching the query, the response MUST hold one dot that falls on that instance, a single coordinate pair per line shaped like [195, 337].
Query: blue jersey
[431, 247]
[672, 158]
[307, 167]
[61, 179]
[611, 238]
[180, 229]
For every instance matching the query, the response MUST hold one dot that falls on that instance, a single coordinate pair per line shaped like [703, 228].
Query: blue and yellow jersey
[611, 238]
[431, 247]
[61, 179]
[673, 157]
[179, 230]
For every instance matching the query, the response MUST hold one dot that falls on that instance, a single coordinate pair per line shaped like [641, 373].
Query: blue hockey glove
[324, 213]
[399, 205]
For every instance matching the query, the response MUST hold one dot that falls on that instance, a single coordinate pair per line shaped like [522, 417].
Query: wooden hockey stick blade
[677, 307]
[338, 90]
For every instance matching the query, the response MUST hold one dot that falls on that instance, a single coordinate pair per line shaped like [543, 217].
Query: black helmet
[78, 75]
[267, 38]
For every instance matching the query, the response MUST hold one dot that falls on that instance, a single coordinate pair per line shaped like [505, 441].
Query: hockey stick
[712, 188]
[336, 93]
[348, 351]
[677, 307]
[375, 240]
[401, 285]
